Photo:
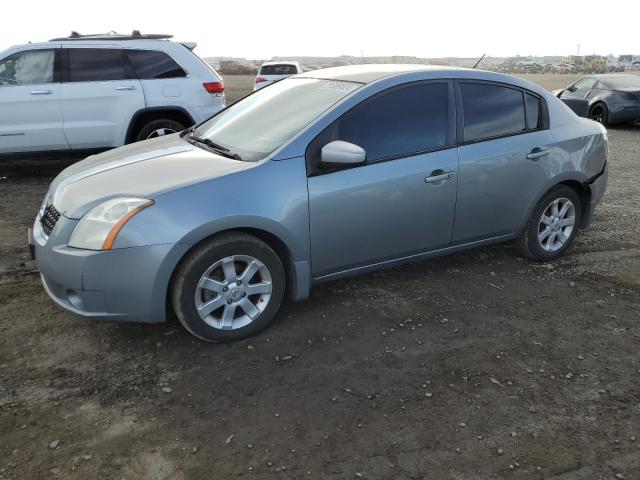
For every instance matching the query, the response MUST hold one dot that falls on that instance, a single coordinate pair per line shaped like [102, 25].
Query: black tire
[148, 129]
[599, 113]
[193, 267]
[528, 243]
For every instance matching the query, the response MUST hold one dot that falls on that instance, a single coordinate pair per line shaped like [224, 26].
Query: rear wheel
[228, 288]
[552, 226]
[600, 113]
[159, 128]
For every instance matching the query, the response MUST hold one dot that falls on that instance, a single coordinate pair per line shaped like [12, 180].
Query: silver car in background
[322, 175]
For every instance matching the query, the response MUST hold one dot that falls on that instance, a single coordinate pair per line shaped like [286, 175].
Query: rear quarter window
[278, 70]
[491, 111]
[532, 105]
[152, 64]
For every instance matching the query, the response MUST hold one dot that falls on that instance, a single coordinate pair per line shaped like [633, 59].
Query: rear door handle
[537, 152]
[126, 87]
[41, 92]
[439, 176]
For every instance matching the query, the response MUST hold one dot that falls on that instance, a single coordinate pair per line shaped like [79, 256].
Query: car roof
[284, 62]
[611, 75]
[144, 42]
[367, 73]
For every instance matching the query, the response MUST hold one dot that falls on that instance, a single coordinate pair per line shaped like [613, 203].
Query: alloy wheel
[556, 224]
[160, 132]
[233, 292]
[597, 114]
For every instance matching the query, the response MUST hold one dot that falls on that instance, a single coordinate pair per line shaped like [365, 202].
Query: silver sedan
[322, 175]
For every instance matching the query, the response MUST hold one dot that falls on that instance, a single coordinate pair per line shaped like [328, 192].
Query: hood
[145, 169]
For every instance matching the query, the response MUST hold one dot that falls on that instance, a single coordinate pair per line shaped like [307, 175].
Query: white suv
[101, 91]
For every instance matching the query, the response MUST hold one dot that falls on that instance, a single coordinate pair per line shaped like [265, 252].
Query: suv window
[150, 64]
[278, 70]
[28, 68]
[585, 83]
[98, 64]
[491, 111]
[399, 122]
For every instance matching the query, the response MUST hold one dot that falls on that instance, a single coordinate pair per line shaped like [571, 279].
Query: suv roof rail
[135, 35]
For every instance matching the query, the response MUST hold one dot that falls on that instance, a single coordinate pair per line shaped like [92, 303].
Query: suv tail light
[260, 79]
[214, 87]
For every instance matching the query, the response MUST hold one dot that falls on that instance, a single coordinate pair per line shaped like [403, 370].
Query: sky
[262, 29]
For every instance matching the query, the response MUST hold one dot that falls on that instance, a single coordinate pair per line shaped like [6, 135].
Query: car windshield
[628, 81]
[260, 123]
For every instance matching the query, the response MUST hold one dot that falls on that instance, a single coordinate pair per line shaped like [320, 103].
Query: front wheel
[600, 113]
[552, 225]
[228, 288]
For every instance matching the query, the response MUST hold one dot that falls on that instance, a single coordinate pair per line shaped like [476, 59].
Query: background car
[101, 91]
[323, 175]
[273, 71]
[605, 98]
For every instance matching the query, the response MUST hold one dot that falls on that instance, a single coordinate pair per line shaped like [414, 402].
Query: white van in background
[273, 71]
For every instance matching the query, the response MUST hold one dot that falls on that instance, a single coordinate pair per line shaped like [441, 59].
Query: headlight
[43, 207]
[99, 227]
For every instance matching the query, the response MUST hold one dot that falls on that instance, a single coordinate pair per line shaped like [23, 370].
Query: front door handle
[537, 152]
[126, 87]
[41, 92]
[438, 176]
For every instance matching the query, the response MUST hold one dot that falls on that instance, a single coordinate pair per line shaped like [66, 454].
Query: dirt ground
[473, 366]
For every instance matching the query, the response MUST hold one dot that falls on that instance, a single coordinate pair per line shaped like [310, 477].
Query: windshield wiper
[219, 149]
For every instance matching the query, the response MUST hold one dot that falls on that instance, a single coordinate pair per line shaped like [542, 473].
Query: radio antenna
[479, 60]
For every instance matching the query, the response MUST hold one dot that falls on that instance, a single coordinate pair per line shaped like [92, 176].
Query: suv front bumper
[127, 284]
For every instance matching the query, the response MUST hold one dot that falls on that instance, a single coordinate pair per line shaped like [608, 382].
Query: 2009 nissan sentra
[323, 175]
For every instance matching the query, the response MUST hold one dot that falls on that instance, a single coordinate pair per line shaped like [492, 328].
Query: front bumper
[596, 189]
[127, 284]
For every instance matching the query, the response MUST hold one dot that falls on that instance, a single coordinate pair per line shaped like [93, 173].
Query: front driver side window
[585, 83]
[403, 121]
[27, 68]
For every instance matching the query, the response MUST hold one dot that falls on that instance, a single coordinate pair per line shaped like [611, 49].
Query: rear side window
[399, 122]
[278, 70]
[150, 64]
[28, 68]
[532, 104]
[491, 111]
[98, 64]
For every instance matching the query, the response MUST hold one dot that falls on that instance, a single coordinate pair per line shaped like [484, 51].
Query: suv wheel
[552, 226]
[159, 128]
[228, 288]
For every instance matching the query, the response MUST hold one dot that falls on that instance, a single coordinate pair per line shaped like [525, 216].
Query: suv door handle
[126, 87]
[537, 152]
[41, 92]
[439, 176]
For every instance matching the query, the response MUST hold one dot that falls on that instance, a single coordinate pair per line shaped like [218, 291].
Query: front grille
[49, 219]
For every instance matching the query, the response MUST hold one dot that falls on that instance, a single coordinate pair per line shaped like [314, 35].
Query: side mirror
[572, 88]
[342, 154]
